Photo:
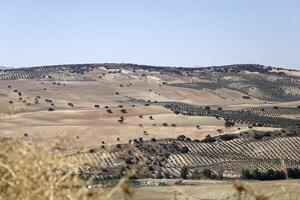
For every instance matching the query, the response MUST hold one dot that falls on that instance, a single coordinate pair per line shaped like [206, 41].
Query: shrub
[159, 173]
[70, 104]
[184, 150]
[109, 111]
[209, 139]
[267, 134]
[229, 124]
[181, 137]
[124, 111]
[92, 151]
[246, 97]
[293, 172]
[128, 161]
[165, 124]
[257, 136]
[207, 173]
[227, 137]
[259, 175]
[245, 174]
[184, 172]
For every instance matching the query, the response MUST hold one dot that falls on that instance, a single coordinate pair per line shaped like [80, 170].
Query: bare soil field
[88, 128]
[85, 121]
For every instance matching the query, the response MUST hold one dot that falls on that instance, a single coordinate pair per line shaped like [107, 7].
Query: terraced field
[266, 86]
[237, 155]
[166, 156]
[251, 116]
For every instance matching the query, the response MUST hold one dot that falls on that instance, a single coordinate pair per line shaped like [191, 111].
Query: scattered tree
[184, 172]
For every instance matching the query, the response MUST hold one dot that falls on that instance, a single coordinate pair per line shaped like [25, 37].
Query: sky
[156, 32]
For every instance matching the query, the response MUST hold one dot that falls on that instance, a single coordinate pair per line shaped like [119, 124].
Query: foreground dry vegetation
[32, 172]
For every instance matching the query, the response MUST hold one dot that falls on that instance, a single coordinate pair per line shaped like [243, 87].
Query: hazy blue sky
[158, 32]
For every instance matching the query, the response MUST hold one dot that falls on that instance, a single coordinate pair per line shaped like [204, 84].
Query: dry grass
[246, 192]
[31, 172]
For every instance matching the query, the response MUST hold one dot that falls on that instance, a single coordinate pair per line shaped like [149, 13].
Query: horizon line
[128, 63]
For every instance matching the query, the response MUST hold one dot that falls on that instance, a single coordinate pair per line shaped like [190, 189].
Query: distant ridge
[4, 68]
[145, 66]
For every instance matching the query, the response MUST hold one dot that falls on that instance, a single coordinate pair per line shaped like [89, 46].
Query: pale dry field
[220, 190]
[85, 126]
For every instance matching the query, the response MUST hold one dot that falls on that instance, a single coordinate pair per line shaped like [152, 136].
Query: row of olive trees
[271, 174]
